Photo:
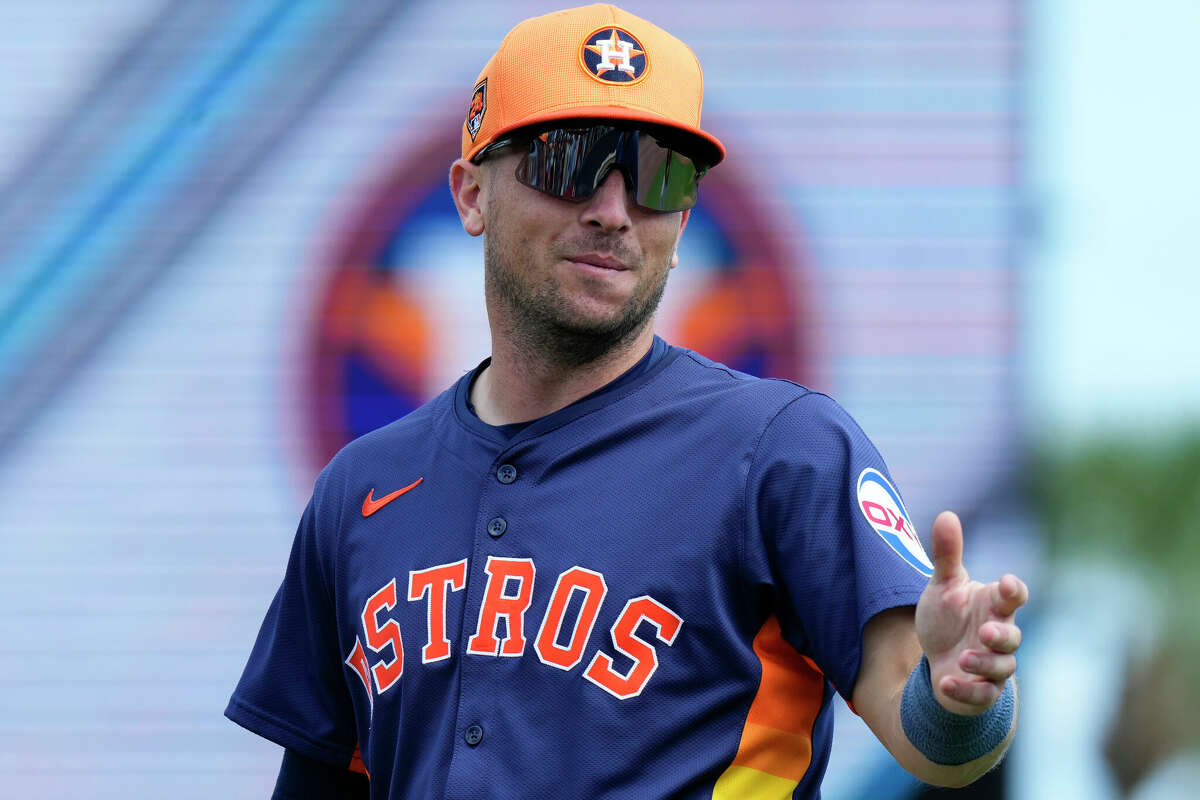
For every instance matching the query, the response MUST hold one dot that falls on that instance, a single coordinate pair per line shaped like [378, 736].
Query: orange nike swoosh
[371, 505]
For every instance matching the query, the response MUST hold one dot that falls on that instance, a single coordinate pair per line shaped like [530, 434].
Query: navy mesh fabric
[705, 499]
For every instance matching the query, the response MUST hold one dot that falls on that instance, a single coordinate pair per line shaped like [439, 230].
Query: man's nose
[608, 208]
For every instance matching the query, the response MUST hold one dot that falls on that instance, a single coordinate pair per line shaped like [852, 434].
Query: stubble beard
[542, 322]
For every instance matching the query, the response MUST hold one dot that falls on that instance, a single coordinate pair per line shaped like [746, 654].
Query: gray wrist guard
[944, 737]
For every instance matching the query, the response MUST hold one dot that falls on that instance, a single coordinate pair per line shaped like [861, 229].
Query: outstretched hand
[965, 627]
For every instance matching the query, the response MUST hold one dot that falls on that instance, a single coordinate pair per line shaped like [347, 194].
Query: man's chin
[601, 321]
[582, 339]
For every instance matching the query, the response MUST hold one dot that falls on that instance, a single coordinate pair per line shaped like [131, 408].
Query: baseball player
[600, 566]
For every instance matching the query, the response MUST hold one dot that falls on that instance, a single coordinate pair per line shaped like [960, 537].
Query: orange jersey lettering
[380, 636]
[645, 659]
[435, 582]
[497, 603]
[594, 589]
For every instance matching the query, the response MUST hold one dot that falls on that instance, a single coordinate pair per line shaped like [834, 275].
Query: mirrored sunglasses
[571, 163]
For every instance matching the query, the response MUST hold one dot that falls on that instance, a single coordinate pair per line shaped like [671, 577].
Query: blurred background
[227, 247]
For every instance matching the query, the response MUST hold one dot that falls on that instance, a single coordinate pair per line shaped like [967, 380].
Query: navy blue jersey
[650, 593]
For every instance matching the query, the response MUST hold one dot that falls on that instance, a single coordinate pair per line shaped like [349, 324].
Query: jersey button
[507, 473]
[474, 735]
[497, 527]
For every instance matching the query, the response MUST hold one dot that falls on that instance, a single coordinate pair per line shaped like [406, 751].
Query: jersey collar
[658, 357]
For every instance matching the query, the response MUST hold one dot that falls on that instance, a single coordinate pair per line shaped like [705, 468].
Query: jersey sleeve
[828, 532]
[292, 690]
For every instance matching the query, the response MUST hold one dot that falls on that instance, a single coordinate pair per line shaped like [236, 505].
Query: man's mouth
[599, 260]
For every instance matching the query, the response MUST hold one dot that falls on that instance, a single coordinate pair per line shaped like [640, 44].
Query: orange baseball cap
[597, 61]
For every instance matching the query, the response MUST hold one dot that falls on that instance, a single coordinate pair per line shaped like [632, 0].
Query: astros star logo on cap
[614, 55]
[614, 50]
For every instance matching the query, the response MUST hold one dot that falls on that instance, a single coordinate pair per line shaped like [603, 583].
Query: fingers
[994, 667]
[1008, 594]
[972, 696]
[1000, 637]
[946, 541]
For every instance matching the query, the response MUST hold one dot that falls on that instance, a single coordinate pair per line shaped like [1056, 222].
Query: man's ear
[682, 224]
[465, 188]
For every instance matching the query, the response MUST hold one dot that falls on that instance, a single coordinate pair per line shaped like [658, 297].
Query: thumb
[946, 541]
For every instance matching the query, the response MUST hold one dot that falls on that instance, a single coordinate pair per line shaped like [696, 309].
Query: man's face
[573, 279]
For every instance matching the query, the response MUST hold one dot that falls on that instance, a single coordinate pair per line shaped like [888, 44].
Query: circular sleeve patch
[880, 503]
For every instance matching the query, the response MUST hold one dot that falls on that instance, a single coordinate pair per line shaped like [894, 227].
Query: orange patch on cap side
[478, 109]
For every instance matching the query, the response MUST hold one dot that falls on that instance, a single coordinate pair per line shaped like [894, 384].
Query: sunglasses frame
[666, 138]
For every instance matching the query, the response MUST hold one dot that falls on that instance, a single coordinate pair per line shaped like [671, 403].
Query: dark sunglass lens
[571, 163]
[667, 180]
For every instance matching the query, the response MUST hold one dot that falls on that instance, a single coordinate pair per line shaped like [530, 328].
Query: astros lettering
[559, 642]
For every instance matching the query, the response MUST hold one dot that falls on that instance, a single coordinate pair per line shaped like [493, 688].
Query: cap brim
[708, 148]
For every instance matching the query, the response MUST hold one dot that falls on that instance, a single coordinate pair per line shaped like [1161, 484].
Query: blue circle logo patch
[614, 55]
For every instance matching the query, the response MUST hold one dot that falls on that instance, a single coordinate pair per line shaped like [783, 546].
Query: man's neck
[518, 386]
